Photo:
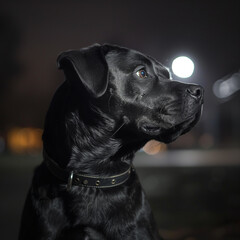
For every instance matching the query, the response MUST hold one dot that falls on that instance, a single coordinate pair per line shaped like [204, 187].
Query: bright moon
[183, 67]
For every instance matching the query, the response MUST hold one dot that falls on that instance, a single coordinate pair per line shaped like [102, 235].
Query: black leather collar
[77, 179]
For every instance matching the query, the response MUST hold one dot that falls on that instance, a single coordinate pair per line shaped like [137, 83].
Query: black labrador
[113, 101]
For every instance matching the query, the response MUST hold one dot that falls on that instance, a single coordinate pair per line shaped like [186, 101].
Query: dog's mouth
[155, 129]
[151, 129]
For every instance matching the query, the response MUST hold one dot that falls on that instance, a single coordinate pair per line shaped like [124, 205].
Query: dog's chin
[172, 131]
[171, 134]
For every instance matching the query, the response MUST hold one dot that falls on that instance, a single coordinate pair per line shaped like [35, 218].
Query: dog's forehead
[126, 60]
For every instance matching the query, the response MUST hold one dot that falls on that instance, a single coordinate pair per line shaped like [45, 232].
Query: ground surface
[193, 194]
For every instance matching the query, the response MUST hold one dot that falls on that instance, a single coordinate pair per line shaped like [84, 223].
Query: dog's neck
[85, 140]
[93, 150]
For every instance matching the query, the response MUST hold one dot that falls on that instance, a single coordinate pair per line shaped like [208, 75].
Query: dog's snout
[195, 91]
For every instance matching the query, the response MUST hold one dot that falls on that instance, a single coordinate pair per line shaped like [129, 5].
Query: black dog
[113, 101]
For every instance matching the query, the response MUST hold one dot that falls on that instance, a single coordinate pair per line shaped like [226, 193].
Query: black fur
[99, 117]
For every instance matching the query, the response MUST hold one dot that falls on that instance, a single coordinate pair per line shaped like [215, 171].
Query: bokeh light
[183, 67]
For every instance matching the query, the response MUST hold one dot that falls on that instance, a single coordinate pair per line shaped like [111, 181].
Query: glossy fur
[99, 117]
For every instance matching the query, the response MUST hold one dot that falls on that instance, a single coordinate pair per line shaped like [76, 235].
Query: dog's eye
[142, 73]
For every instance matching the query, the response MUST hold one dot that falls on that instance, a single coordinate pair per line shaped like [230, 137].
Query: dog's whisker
[125, 121]
[118, 129]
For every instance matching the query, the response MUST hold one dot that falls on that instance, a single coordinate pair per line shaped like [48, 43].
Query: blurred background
[192, 184]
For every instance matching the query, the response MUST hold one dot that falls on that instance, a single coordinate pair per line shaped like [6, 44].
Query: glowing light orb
[183, 67]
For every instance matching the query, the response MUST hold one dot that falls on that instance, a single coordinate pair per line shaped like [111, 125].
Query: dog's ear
[89, 65]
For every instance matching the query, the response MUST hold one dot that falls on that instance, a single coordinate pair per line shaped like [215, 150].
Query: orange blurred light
[24, 140]
[154, 147]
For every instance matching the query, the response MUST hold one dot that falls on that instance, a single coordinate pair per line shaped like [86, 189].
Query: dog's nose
[195, 91]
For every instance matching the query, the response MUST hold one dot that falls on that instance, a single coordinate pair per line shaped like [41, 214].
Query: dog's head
[132, 87]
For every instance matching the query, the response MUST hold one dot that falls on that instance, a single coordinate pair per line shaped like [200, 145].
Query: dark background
[198, 185]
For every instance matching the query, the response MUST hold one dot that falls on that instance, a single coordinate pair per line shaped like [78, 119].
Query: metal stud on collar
[85, 182]
[97, 182]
